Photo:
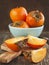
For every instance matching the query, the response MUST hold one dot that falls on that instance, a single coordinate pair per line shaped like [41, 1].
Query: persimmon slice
[35, 42]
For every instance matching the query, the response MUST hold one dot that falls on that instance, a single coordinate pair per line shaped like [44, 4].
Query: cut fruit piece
[9, 48]
[38, 55]
[14, 40]
[13, 46]
[35, 42]
[12, 43]
[35, 55]
[35, 18]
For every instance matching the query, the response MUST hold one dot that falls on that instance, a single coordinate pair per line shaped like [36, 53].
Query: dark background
[7, 5]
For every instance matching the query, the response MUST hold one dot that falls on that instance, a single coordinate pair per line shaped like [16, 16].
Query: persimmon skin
[18, 14]
[32, 22]
[35, 46]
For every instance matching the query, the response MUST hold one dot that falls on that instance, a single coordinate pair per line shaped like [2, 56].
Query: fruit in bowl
[35, 18]
[24, 23]
[20, 24]
[16, 31]
[18, 13]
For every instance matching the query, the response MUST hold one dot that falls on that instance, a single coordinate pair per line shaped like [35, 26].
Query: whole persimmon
[18, 13]
[35, 18]
[20, 24]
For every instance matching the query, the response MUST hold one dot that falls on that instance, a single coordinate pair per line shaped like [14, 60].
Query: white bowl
[36, 31]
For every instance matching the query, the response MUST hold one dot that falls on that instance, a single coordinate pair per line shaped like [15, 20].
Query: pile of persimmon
[34, 18]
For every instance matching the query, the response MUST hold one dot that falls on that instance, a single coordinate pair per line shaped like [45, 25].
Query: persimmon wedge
[38, 55]
[35, 55]
[12, 43]
[35, 42]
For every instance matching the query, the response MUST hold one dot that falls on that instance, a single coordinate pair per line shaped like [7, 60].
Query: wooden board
[6, 57]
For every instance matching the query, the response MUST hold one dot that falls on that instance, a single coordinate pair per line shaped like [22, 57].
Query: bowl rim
[25, 28]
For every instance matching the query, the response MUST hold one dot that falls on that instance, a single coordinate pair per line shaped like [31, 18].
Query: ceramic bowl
[36, 31]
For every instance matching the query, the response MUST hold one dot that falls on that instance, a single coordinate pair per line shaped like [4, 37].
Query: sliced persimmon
[13, 46]
[38, 55]
[35, 42]
[35, 55]
[12, 43]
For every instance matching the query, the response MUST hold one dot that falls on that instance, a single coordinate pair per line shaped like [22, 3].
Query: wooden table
[20, 60]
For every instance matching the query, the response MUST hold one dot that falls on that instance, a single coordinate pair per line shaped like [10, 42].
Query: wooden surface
[20, 60]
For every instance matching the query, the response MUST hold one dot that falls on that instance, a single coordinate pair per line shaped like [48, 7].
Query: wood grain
[6, 57]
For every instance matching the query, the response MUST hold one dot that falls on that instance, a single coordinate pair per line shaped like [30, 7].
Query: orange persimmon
[35, 18]
[12, 43]
[13, 46]
[18, 13]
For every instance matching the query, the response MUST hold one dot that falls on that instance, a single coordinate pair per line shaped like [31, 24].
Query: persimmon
[20, 24]
[18, 13]
[12, 43]
[35, 18]
[13, 46]
[36, 55]
[35, 42]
